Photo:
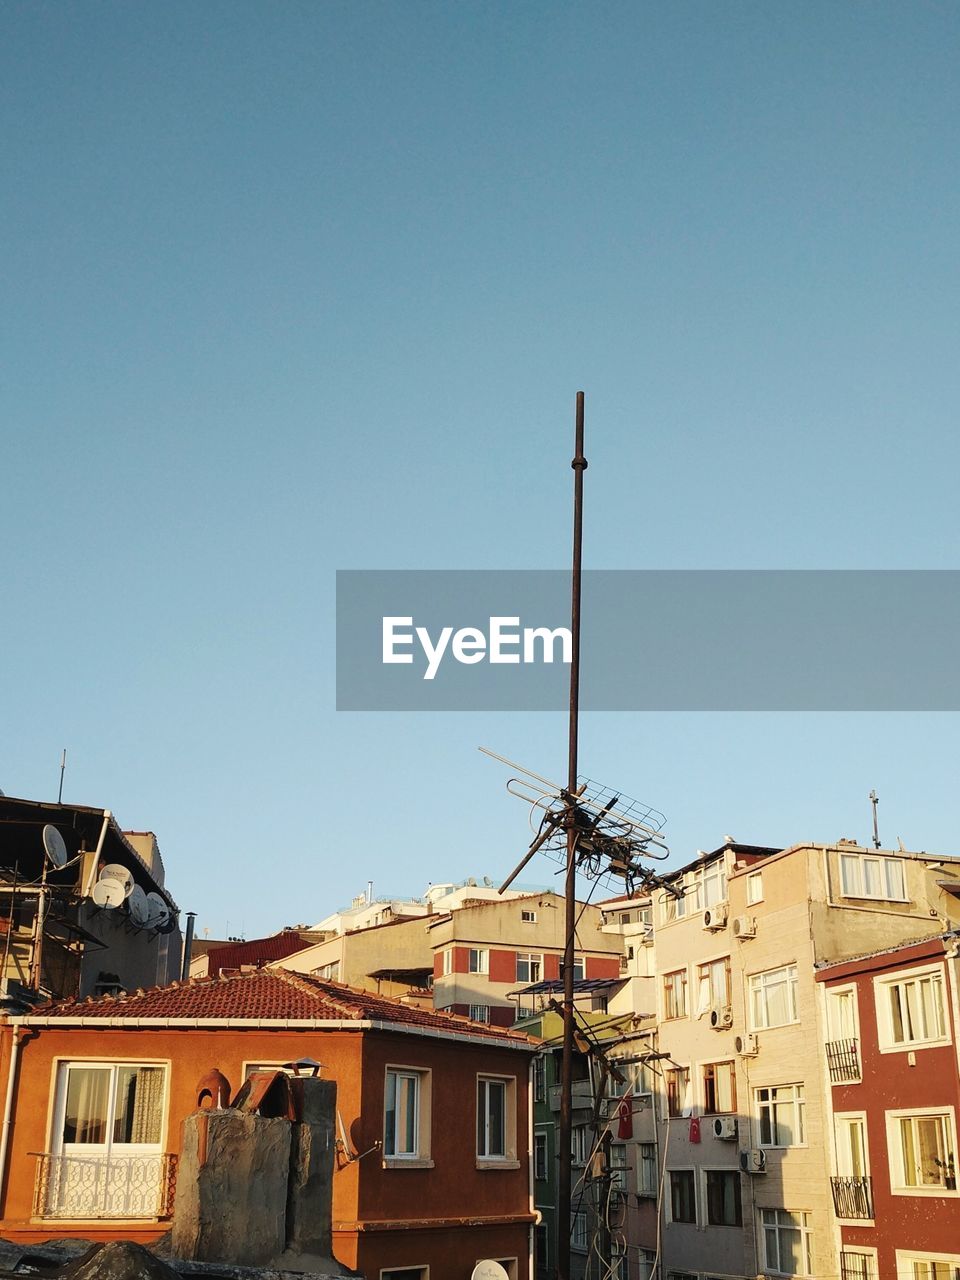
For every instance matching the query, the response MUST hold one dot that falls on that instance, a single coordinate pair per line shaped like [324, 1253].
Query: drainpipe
[95, 862]
[187, 946]
[9, 1104]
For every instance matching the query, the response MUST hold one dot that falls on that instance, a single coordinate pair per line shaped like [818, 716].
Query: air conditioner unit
[721, 1017]
[746, 1046]
[745, 927]
[725, 1127]
[716, 917]
[754, 1160]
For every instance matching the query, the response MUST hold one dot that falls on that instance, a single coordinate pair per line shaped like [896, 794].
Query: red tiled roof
[271, 994]
[259, 951]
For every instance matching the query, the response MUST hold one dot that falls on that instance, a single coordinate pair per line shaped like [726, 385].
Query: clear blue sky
[292, 288]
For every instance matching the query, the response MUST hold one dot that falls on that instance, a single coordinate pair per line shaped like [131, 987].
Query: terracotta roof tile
[271, 993]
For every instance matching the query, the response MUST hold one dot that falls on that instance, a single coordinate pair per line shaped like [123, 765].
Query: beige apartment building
[392, 959]
[744, 1135]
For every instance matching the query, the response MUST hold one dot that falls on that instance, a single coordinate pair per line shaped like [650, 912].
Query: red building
[433, 1174]
[891, 1053]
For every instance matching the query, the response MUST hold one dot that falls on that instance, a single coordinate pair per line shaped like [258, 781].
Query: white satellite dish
[108, 893]
[489, 1270]
[137, 906]
[157, 911]
[114, 871]
[54, 845]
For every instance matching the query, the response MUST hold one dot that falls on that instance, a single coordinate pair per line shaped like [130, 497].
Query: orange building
[433, 1169]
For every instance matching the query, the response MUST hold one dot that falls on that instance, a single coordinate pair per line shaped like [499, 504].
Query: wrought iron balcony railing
[856, 1266]
[843, 1060]
[101, 1185]
[852, 1197]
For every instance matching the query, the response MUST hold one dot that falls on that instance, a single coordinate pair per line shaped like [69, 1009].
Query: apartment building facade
[891, 1020]
[744, 1137]
[486, 952]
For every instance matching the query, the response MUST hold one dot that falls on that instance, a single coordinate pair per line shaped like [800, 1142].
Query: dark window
[723, 1198]
[683, 1198]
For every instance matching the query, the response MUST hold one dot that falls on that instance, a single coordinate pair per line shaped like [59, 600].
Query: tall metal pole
[579, 465]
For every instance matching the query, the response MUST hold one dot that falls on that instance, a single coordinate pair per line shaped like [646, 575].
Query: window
[842, 1013]
[861, 1264]
[712, 885]
[678, 1091]
[496, 1121]
[773, 998]
[579, 1239]
[786, 1242]
[618, 1166]
[331, 971]
[647, 1172]
[851, 1131]
[673, 906]
[675, 994]
[580, 1143]
[528, 917]
[406, 1120]
[479, 960]
[405, 1273]
[646, 1262]
[723, 1198]
[754, 888]
[624, 917]
[928, 1266]
[446, 961]
[910, 1010]
[868, 876]
[529, 967]
[108, 1117]
[539, 1079]
[683, 1195]
[479, 1012]
[719, 1089]
[923, 1150]
[713, 985]
[540, 1156]
[578, 968]
[782, 1112]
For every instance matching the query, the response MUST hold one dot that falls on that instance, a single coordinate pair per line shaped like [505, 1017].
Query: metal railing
[100, 1186]
[856, 1266]
[843, 1060]
[852, 1197]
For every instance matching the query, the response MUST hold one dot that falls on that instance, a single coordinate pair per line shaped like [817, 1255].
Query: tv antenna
[874, 801]
[63, 766]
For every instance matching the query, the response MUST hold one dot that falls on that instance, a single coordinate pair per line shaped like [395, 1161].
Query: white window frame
[446, 962]
[754, 888]
[508, 1157]
[798, 1105]
[806, 1234]
[861, 1251]
[858, 881]
[906, 1257]
[619, 1168]
[581, 1144]
[760, 984]
[579, 1231]
[833, 995]
[673, 908]
[61, 1069]
[681, 989]
[708, 992]
[527, 916]
[647, 1164]
[842, 1123]
[532, 960]
[882, 996]
[714, 1063]
[420, 1158]
[898, 1183]
[478, 1012]
[478, 960]
[541, 1142]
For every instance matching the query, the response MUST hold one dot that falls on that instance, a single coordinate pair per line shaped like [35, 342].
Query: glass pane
[85, 1118]
[894, 877]
[407, 1114]
[138, 1105]
[871, 878]
[498, 1145]
[930, 1148]
[390, 1116]
[848, 874]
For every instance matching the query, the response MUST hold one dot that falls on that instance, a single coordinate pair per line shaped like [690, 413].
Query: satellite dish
[137, 906]
[108, 893]
[54, 845]
[114, 871]
[157, 911]
[489, 1270]
[169, 924]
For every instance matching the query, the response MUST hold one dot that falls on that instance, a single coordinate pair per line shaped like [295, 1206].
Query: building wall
[904, 1079]
[404, 945]
[372, 1206]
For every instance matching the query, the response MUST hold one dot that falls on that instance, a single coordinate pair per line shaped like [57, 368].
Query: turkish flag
[625, 1119]
[695, 1129]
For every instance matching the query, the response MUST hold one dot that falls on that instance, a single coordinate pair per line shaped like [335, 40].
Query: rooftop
[269, 995]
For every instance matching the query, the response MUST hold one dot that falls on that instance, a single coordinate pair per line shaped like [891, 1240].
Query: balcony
[843, 1060]
[852, 1197]
[582, 1096]
[101, 1186]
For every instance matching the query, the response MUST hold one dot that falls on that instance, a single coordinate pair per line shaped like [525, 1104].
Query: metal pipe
[579, 465]
[187, 946]
[95, 861]
[8, 1106]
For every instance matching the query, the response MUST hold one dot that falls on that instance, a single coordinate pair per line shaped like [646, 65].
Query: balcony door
[107, 1159]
